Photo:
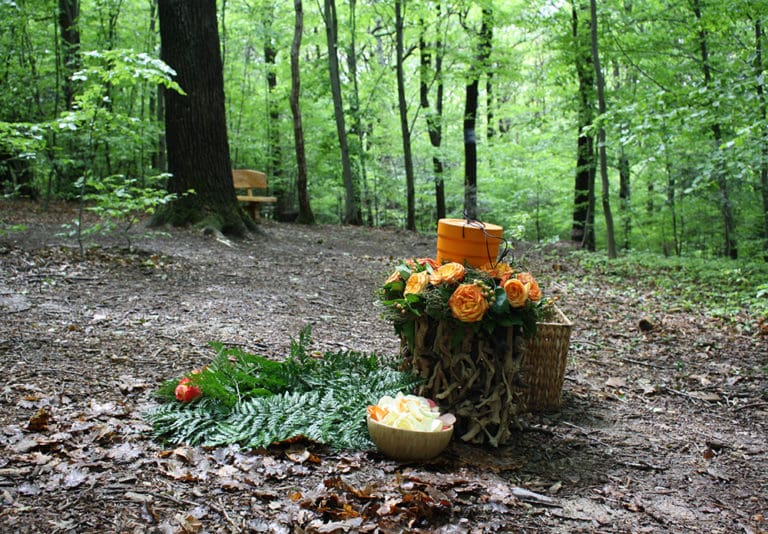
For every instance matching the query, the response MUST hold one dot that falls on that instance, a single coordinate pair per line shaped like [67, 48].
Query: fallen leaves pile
[293, 483]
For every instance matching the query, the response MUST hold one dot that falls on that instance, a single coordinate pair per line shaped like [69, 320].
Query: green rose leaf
[501, 304]
[404, 270]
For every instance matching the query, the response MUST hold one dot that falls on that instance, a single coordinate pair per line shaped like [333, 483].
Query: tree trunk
[625, 198]
[487, 44]
[729, 238]
[275, 156]
[69, 13]
[357, 122]
[470, 115]
[402, 105]
[351, 211]
[156, 99]
[672, 205]
[305, 210]
[195, 123]
[490, 130]
[434, 118]
[583, 231]
[605, 197]
[470, 151]
[625, 188]
[763, 131]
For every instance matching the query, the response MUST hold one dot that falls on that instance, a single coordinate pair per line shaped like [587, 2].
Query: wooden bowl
[408, 445]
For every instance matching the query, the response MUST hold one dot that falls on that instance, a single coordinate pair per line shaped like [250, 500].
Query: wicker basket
[543, 367]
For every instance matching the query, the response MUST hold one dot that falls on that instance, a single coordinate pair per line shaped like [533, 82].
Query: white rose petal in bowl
[409, 428]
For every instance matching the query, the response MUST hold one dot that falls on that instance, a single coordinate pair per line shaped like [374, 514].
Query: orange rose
[468, 303]
[427, 261]
[534, 292]
[416, 283]
[517, 292]
[394, 277]
[501, 272]
[448, 273]
[413, 263]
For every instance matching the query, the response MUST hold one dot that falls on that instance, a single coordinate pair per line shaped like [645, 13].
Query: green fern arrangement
[255, 402]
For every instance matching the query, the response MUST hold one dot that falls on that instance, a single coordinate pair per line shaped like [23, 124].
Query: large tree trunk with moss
[195, 123]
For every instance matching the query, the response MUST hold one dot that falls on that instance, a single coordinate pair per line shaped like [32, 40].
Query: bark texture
[195, 122]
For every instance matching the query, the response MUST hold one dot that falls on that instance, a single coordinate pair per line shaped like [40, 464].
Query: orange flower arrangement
[486, 298]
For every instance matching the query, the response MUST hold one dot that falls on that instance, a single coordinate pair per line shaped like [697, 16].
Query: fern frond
[185, 423]
[255, 402]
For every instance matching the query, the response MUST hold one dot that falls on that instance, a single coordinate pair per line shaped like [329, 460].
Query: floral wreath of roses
[485, 298]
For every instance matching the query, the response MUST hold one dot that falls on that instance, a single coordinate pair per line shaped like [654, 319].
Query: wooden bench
[253, 182]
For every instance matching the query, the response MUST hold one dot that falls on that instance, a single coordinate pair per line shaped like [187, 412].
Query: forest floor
[663, 428]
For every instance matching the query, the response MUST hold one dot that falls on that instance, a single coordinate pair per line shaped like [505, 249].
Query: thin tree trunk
[69, 13]
[275, 156]
[305, 210]
[470, 114]
[470, 151]
[583, 230]
[729, 234]
[410, 223]
[433, 118]
[351, 211]
[357, 123]
[625, 186]
[759, 36]
[672, 205]
[490, 131]
[625, 197]
[605, 197]
[156, 99]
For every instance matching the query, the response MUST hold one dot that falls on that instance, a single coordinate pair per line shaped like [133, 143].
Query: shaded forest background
[672, 92]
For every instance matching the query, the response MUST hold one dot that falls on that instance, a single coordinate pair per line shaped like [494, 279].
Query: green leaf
[404, 270]
[501, 304]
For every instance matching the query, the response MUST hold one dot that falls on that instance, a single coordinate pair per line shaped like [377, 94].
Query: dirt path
[661, 430]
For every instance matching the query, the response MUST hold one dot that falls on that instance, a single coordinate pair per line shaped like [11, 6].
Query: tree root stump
[476, 377]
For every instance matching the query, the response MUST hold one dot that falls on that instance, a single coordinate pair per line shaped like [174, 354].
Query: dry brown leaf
[39, 421]
[616, 382]
[125, 452]
[298, 455]
[189, 524]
